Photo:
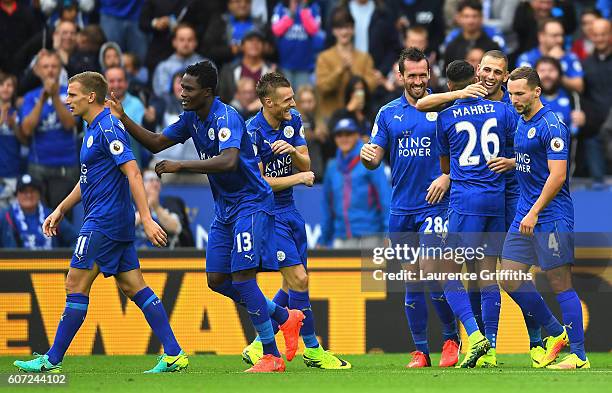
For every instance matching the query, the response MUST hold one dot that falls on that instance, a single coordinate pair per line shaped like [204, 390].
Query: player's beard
[420, 93]
[525, 110]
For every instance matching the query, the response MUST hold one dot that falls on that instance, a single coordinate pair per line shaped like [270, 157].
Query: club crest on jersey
[89, 141]
[224, 134]
[211, 134]
[280, 255]
[556, 144]
[302, 134]
[116, 147]
[288, 132]
[531, 133]
[431, 116]
[374, 130]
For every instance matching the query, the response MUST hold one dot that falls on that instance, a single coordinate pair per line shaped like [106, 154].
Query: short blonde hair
[92, 81]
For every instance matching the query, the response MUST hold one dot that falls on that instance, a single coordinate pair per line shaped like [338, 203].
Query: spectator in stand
[89, 40]
[110, 55]
[469, 18]
[375, 32]
[17, 26]
[76, 10]
[170, 110]
[245, 100]
[316, 136]
[530, 14]
[64, 41]
[134, 108]
[336, 65]
[222, 40]
[252, 65]
[356, 200]
[184, 42]
[492, 32]
[583, 46]
[10, 139]
[169, 221]
[135, 72]
[474, 56]
[426, 13]
[550, 43]
[119, 20]
[597, 99]
[296, 25]
[21, 223]
[50, 127]
[159, 18]
[357, 107]
[554, 95]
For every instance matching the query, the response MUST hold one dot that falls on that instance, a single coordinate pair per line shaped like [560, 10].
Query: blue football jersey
[471, 132]
[544, 137]
[560, 104]
[409, 137]
[512, 187]
[236, 193]
[52, 144]
[570, 64]
[263, 136]
[105, 190]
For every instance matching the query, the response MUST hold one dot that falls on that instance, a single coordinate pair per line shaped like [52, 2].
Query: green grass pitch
[371, 373]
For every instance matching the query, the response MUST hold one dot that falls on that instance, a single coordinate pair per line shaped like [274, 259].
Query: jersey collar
[467, 100]
[265, 126]
[540, 113]
[404, 100]
[212, 112]
[98, 118]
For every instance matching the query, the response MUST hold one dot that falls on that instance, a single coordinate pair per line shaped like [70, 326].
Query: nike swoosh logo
[172, 364]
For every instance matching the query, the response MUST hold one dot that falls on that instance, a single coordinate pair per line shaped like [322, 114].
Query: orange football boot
[291, 332]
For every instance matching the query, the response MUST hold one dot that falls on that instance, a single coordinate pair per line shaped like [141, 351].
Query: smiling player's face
[415, 78]
[492, 72]
[193, 96]
[77, 100]
[280, 102]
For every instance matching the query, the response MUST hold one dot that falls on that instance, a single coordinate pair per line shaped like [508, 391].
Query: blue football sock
[278, 314]
[69, 324]
[445, 313]
[155, 314]
[571, 309]
[530, 301]
[491, 306]
[227, 289]
[534, 331]
[475, 298]
[301, 301]
[459, 301]
[282, 299]
[257, 308]
[277, 311]
[415, 308]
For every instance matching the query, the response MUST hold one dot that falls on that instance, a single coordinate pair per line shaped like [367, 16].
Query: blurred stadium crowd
[340, 56]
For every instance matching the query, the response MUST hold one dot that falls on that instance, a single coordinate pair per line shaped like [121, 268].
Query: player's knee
[74, 286]
[559, 282]
[215, 281]
[300, 282]
[509, 285]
